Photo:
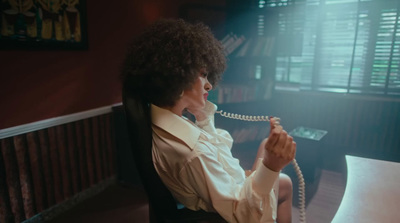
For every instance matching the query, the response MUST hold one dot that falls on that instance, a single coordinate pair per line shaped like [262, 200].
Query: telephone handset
[296, 167]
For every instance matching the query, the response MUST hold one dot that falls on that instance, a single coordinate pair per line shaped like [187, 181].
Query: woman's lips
[205, 96]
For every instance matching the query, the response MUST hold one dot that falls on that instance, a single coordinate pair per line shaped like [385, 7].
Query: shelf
[238, 93]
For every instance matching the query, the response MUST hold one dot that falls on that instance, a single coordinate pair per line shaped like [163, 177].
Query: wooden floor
[121, 204]
[116, 204]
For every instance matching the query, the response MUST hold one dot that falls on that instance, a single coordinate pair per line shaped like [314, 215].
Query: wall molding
[34, 126]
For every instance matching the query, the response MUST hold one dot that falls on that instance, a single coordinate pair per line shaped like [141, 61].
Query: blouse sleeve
[220, 180]
[209, 126]
[250, 201]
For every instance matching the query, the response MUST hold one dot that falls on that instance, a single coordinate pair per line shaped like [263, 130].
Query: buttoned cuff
[210, 109]
[264, 179]
[204, 122]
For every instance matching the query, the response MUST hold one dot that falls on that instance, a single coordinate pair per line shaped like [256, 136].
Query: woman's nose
[208, 86]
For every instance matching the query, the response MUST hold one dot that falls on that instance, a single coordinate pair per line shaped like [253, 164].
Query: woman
[178, 64]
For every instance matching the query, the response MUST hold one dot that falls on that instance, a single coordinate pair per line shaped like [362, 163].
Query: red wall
[36, 85]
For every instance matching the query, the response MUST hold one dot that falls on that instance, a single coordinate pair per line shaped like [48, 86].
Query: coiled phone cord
[302, 193]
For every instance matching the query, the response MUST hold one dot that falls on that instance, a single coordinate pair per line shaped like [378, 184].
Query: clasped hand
[280, 147]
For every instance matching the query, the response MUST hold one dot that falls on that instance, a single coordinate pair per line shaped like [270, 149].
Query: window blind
[344, 46]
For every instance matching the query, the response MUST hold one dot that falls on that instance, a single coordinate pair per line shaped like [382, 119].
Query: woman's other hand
[203, 113]
[199, 114]
[280, 147]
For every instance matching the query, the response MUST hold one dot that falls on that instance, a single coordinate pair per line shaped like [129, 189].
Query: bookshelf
[251, 52]
[248, 83]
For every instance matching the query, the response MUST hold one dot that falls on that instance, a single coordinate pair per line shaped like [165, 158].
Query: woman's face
[196, 97]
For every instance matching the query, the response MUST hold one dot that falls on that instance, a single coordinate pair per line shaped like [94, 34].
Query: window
[345, 46]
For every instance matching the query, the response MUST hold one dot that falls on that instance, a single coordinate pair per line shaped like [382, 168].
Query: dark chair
[162, 205]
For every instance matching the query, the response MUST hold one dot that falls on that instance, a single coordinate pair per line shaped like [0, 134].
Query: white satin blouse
[195, 162]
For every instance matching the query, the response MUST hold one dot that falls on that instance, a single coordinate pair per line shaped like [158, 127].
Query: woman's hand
[199, 114]
[202, 113]
[280, 148]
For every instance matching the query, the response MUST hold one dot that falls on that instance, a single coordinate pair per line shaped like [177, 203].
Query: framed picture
[43, 24]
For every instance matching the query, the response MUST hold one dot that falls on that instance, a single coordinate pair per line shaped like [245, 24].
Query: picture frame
[43, 25]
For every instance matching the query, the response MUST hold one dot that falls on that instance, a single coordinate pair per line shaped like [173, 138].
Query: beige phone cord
[302, 193]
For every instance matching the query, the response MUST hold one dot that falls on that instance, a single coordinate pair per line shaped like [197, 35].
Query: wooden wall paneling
[352, 125]
[103, 146]
[387, 134]
[370, 117]
[335, 114]
[347, 130]
[73, 158]
[363, 129]
[110, 138]
[96, 148]
[381, 129]
[35, 158]
[369, 132]
[55, 165]
[47, 167]
[89, 151]
[392, 142]
[328, 109]
[44, 167]
[346, 120]
[6, 215]
[25, 175]
[396, 129]
[12, 178]
[396, 144]
[80, 144]
[64, 161]
[377, 127]
[356, 134]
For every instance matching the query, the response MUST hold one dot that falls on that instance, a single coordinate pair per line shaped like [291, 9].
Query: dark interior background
[42, 84]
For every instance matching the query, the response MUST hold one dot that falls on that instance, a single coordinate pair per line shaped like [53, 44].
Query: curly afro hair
[167, 58]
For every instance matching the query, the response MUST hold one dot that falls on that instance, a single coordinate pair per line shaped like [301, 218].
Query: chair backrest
[140, 133]
[161, 202]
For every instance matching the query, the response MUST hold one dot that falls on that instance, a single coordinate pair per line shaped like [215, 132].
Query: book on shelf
[236, 93]
[257, 47]
[244, 49]
[269, 45]
[231, 42]
[225, 38]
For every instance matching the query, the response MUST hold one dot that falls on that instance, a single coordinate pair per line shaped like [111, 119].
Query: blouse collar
[180, 127]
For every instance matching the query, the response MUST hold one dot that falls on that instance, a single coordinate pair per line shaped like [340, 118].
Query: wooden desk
[372, 192]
